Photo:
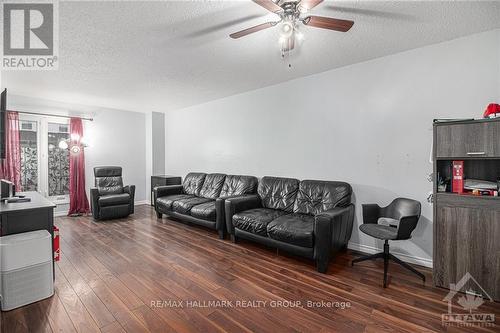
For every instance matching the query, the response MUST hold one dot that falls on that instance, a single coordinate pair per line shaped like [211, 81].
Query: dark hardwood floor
[119, 276]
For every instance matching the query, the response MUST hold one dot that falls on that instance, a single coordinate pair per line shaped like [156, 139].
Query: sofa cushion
[212, 185]
[235, 185]
[205, 211]
[193, 182]
[183, 206]
[114, 199]
[165, 203]
[278, 193]
[316, 196]
[297, 229]
[256, 220]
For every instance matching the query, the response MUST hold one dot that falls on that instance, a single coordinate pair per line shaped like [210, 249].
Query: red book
[458, 177]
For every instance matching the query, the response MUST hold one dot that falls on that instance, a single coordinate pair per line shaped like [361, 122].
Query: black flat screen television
[3, 115]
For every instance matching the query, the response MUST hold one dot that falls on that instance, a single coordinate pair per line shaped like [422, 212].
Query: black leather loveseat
[200, 198]
[310, 218]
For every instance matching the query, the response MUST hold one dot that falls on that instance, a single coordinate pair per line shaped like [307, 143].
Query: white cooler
[25, 269]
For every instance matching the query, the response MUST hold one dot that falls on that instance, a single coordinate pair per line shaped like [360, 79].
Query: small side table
[162, 180]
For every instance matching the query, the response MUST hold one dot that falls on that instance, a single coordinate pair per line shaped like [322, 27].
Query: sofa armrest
[371, 213]
[220, 214]
[130, 189]
[238, 204]
[332, 230]
[161, 191]
[94, 202]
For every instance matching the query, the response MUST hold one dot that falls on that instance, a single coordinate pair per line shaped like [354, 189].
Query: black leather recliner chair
[200, 198]
[310, 218]
[109, 199]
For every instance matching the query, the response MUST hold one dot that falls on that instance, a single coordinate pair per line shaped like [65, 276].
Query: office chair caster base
[388, 256]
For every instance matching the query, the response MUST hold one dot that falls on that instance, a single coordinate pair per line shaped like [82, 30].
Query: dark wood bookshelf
[467, 226]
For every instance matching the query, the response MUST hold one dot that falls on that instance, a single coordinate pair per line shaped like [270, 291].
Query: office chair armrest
[406, 226]
[238, 204]
[371, 213]
[94, 202]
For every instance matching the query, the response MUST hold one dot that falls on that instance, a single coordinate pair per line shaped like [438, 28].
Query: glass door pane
[28, 134]
[58, 160]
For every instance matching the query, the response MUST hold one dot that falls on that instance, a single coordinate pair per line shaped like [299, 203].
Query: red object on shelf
[492, 111]
[458, 177]
[57, 245]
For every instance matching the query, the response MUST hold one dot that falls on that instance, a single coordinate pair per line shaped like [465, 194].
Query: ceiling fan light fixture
[299, 35]
[286, 29]
[288, 14]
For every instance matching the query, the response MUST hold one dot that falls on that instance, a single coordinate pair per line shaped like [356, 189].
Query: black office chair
[394, 222]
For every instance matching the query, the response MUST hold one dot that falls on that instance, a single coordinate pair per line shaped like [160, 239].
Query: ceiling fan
[291, 12]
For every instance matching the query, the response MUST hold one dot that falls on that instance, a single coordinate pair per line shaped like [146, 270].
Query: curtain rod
[50, 115]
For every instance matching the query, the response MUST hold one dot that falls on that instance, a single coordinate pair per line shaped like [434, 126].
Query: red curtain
[78, 203]
[11, 166]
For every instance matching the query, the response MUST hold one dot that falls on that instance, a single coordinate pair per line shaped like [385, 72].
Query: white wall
[369, 124]
[149, 153]
[118, 138]
[155, 143]
[158, 142]
[115, 137]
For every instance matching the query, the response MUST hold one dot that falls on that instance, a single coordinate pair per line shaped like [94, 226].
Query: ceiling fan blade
[328, 23]
[269, 5]
[251, 30]
[308, 4]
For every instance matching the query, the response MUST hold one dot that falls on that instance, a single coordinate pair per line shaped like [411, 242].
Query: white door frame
[43, 148]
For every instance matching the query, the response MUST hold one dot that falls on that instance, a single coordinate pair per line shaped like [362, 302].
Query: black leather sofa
[309, 218]
[200, 198]
[109, 199]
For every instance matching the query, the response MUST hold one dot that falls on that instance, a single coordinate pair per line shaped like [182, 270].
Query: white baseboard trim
[372, 250]
[59, 214]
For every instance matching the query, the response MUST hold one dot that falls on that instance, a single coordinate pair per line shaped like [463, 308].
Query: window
[58, 160]
[44, 165]
[29, 155]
